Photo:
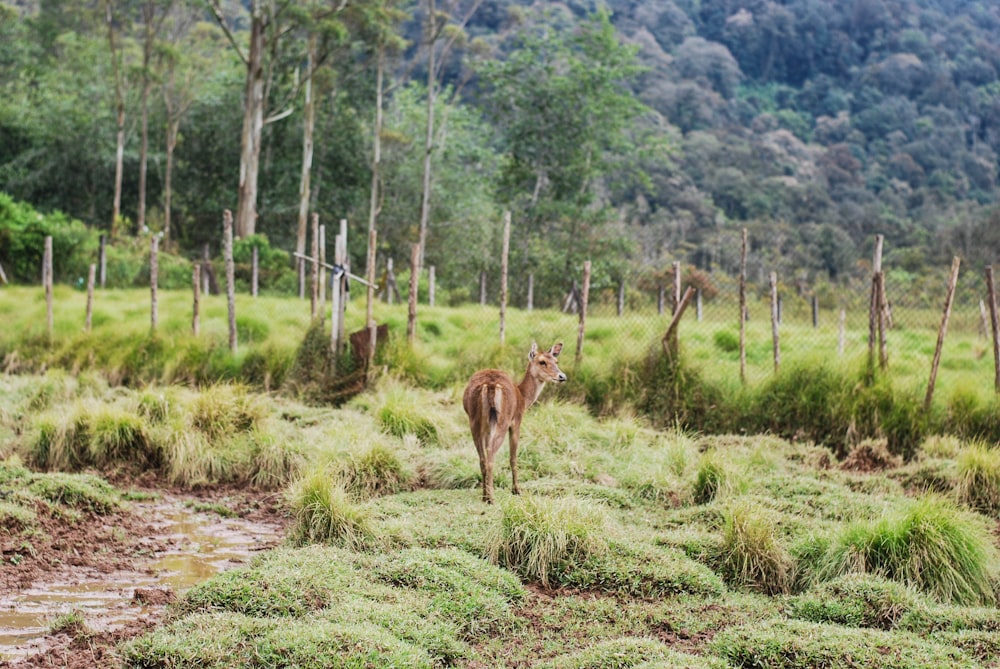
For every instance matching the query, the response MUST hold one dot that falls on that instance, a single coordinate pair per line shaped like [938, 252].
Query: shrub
[538, 537]
[753, 554]
[979, 477]
[930, 545]
[325, 513]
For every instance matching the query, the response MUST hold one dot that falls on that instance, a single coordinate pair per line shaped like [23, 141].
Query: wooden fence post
[671, 340]
[482, 288]
[254, 271]
[47, 281]
[621, 296]
[314, 299]
[531, 292]
[743, 309]
[677, 287]
[698, 304]
[815, 311]
[583, 311]
[196, 301]
[504, 254]
[952, 280]
[660, 299]
[370, 317]
[91, 277]
[994, 325]
[102, 259]
[775, 320]
[322, 272]
[842, 332]
[875, 308]
[227, 254]
[411, 322]
[154, 270]
[430, 285]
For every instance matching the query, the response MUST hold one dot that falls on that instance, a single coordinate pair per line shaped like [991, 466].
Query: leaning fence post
[670, 339]
[91, 274]
[952, 280]
[583, 311]
[995, 325]
[227, 253]
[154, 270]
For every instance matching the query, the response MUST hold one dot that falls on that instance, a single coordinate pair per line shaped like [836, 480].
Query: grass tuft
[538, 537]
[753, 554]
[326, 513]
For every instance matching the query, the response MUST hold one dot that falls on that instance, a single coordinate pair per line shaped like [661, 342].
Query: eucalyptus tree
[562, 101]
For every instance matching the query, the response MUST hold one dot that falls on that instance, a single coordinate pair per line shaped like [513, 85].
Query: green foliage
[979, 477]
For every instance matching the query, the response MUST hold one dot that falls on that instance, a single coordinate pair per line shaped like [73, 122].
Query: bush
[753, 555]
[539, 537]
[930, 545]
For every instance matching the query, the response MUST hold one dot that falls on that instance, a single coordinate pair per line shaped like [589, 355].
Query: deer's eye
[541, 362]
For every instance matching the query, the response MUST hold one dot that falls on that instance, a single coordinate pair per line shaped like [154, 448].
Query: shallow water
[201, 545]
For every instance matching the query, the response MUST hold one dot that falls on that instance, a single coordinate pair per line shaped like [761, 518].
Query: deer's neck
[530, 389]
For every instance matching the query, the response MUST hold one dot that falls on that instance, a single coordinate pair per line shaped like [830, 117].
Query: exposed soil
[121, 544]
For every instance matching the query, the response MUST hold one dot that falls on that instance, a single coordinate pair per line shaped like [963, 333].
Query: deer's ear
[556, 350]
[533, 351]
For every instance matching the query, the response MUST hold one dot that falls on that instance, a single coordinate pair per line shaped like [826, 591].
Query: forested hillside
[632, 132]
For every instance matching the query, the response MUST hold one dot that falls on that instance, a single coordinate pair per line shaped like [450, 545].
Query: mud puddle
[186, 548]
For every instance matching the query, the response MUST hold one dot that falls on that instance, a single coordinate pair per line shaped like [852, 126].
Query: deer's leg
[483, 470]
[514, 436]
[488, 480]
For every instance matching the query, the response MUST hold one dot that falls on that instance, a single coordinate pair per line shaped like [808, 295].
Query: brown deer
[496, 406]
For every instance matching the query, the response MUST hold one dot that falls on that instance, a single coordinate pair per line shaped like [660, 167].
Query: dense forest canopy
[633, 133]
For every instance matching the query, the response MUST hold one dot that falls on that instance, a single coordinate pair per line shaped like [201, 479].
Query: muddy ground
[123, 543]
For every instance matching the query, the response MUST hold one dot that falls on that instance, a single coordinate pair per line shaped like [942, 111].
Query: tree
[562, 103]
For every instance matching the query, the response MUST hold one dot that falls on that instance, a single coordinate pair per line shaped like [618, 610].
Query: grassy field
[631, 546]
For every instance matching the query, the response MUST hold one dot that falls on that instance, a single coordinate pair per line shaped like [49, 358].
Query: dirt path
[120, 571]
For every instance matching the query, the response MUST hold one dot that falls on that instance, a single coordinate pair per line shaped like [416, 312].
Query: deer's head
[544, 366]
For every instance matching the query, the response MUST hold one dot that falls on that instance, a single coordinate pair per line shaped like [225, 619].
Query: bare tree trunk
[373, 209]
[173, 126]
[148, 10]
[116, 205]
[425, 199]
[253, 127]
[308, 127]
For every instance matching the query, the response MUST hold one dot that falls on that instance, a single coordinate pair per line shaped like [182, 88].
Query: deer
[495, 407]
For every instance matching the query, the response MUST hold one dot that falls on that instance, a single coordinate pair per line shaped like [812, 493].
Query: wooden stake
[775, 320]
[531, 292]
[698, 304]
[677, 286]
[621, 297]
[482, 288]
[504, 254]
[670, 339]
[322, 272]
[953, 279]
[102, 259]
[254, 271]
[660, 299]
[196, 305]
[583, 311]
[991, 295]
[314, 299]
[370, 318]
[883, 349]
[47, 281]
[430, 285]
[411, 321]
[842, 330]
[154, 270]
[743, 309]
[91, 276]
[227, 254]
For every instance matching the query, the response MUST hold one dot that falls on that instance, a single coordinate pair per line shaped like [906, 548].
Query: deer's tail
[492, 399]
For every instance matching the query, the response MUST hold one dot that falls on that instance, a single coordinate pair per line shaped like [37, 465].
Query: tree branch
[221, 20]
